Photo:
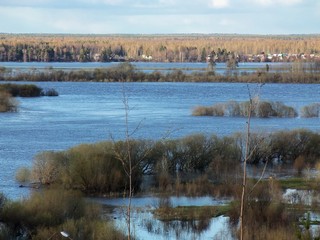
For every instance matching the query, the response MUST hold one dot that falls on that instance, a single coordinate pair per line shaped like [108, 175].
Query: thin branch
[259, 180]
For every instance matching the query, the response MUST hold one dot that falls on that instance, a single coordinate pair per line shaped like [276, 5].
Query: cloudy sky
[160, 16]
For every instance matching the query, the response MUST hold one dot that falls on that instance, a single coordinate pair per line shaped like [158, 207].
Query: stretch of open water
[87, 112]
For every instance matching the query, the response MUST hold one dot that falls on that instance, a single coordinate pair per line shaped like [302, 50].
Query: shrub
[45, 169]
[28, 90]
[232, 109]
[23, 175]
[261, 109]
[264, 110]
[312, 110]
[48, 208]
[287, 146]
[282, 110]
[45, 214]
[94, 168]
[299, 164]
[21, 90]
[7, 103]
[195, 153]
[202, 111]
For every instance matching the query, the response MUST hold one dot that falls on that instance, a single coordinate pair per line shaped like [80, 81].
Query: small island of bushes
[261, 109]
[9, 91]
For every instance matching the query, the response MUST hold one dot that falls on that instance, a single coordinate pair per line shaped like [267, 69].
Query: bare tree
[125, 157]
[248, 153]
[125, 154]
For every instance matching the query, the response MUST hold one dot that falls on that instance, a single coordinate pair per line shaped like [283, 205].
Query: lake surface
[91, 112]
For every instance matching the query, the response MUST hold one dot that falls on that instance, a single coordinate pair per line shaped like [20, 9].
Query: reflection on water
[153, 202]
[146, 226]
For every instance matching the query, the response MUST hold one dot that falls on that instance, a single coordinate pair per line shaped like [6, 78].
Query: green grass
[299, 183]
[186, 213]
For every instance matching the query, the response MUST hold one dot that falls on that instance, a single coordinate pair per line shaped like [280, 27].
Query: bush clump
[261, 109]
[23, 175]
[46, 213]
[97, 168]
[7, 102]
[310, 111]
[21, 90]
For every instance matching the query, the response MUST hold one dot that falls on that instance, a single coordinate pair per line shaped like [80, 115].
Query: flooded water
[146, 226]
[91, 112]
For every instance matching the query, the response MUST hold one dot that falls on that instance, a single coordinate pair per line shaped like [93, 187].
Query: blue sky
[160, 16]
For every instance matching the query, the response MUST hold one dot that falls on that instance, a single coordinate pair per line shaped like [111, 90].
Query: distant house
[146, 57]
[97, 57]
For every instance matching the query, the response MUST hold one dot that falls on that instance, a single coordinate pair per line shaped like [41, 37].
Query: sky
[160, 16]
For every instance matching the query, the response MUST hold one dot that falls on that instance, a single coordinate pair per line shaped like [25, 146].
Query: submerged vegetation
[191, 166]
[180, 166]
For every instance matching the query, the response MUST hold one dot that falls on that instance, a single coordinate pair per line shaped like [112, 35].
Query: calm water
[90, 112]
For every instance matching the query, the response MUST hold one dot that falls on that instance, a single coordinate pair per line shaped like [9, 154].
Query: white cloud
[276, 2]
[159, 16]
[106, 2]
[219, 3]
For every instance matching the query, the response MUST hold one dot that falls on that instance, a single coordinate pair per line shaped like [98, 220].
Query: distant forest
[157, 48]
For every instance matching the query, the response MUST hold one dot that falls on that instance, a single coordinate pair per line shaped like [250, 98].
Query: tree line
[162, 48]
